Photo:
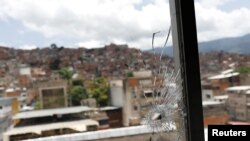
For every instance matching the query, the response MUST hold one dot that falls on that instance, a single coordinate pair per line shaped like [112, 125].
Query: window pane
[79, 67]
[224, 60]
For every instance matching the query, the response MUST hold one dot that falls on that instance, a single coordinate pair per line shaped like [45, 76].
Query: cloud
[88, 21]
[95, 23]
[90, 44]
[28, 47]
[212, 3]
[214, 23]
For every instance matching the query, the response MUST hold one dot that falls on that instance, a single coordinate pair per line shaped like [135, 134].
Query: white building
[130, 95]
[24, 70]
[117, 93]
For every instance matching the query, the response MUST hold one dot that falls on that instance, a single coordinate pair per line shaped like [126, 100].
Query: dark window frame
[186, 56]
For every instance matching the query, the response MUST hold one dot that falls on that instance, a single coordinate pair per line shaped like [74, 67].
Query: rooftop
[58, 111]
[227, 71]
[223, 76]
[221, 97]
[238, 88]
[9, 90]
[79, 125]
[238, 123]
[51, 112]
[211, 102]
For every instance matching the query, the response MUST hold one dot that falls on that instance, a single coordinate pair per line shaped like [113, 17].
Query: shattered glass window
[165, 111]
[103, 69]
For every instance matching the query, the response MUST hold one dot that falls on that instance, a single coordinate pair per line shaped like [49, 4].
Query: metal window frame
[186, 58]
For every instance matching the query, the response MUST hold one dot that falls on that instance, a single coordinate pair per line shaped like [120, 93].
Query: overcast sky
[94, 23]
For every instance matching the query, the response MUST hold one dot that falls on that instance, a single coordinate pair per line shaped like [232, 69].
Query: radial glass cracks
[166, 110]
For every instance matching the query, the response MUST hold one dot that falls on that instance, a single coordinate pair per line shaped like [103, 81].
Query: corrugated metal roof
[211, 102]
[51, 112]
[238, 88]
[227, 71]
[79, 125]
[222, 76]
[58, 111]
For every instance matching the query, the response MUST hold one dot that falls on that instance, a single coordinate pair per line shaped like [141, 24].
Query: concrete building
[53, 97]
[51, 94]
[221, 98]
[18, 93]
[24, 80]
[117, 93]
[245, 79]
[225, 79]
[239, 103]
[130, 95]
[2, 91]
[36, 72]
[24, 70]
[32, 95]
[13, 92]
[115, 116]
[207, 91]
[8, 107]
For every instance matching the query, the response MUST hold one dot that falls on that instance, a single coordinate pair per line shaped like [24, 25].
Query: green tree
[53, 46]
[130, 74]
[37, 105]
[77, 94]
[99, 89]
[243, 70]
[67, 73]
[77, 82]
[54, 65]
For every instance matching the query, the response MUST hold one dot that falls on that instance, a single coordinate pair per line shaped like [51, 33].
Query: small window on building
[104, 122]
[148, 94]
[208, 96]
[210, 107]
[135, 108]
[91, 128]
[133, 93]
